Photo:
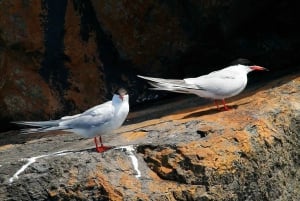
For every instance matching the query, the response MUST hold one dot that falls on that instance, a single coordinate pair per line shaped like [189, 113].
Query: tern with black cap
[217, 85]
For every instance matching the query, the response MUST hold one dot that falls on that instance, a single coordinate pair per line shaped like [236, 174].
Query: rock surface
[251, 152]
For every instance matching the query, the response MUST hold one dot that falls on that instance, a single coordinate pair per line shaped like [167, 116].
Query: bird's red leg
[216, 103]
[225, 106]
[95, 140]
[100, 139]
[102, 148]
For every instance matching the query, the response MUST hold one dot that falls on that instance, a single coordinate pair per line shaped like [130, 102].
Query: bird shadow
[213, 111]
[89, 150]
[15, 137]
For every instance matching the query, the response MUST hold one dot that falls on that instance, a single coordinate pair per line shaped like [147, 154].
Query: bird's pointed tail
[171, 88]
[37, 123]
[40, 126]
[172, 85]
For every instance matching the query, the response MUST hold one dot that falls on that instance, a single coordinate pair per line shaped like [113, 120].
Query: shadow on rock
[15, 137]
[212, 111]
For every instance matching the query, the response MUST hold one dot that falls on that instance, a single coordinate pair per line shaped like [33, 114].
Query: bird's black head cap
[121, 91]
[242, 61]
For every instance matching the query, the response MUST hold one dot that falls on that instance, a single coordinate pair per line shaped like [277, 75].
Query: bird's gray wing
[98, 108]
[217, 83]
[91, 110]
[95, 116]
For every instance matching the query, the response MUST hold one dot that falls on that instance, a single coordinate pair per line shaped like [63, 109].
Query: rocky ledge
[251, 152]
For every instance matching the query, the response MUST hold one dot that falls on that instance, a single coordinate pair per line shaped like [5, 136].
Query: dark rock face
[248, 153]
[62, 57]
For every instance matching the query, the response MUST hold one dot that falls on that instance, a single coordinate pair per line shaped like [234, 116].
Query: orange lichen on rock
[73, 178]
[129, 182]
[52, 193]
[7, 146]
[171, 190]
[101, 180]
[217, 153]
[134, 135]
[165, 170]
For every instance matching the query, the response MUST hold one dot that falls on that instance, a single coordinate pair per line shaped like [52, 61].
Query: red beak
[258, 68]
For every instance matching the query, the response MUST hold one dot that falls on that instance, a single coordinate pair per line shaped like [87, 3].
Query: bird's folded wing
[224, 73]
[90, 118]
[215, 84]
[70, 117]
[98, 108]
[218, 75]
